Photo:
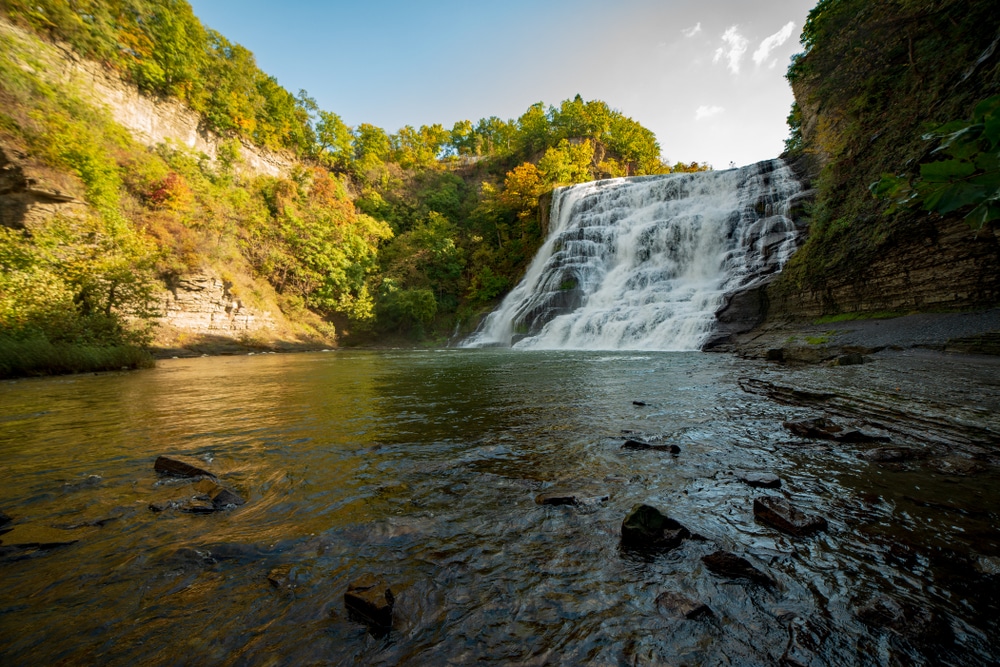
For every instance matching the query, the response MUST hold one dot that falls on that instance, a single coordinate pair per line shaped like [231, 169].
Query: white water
[645, 263]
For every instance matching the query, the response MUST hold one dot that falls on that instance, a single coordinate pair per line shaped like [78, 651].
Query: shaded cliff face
[877, 76]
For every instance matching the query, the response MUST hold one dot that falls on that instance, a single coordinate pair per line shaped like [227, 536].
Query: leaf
[946, 170]
[984, 213]
[990, 107]
[990, 180]
[992, 130]
[946, 129]
[988, 162]
[963, 143]
[888, 186]
[947, 198]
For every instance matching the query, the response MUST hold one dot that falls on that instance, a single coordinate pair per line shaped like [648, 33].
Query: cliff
[875, 77]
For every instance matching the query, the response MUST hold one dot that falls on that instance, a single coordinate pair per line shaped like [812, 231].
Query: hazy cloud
[735, 47]
[705, 111]
[771, 43]
[691, 32]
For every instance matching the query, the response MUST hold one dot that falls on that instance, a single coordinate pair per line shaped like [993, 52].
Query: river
[424, 467]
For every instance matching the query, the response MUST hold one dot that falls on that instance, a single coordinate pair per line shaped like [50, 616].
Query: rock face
[151, 120]
[370, 600]
[646, 527]
[203, 304]
[31, 194]
[779, 513]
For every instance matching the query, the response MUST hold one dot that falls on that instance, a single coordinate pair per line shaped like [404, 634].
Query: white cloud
[691, 32]
[736, 46]
[771, 43]
[705, 111]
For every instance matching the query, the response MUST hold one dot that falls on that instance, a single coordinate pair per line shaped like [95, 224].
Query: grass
[850, 317]
[38, 356]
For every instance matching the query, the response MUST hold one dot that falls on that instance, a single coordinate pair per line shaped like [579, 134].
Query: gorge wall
[874, 79]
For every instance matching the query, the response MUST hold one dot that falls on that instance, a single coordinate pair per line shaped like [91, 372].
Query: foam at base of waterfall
[644, 263]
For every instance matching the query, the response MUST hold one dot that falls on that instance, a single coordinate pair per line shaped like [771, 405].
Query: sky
[707, 77]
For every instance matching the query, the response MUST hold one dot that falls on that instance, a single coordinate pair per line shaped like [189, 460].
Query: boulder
[640, 445]
[761, 480]
[781, 514]
[726, 564]
[645, 526]
[177, 468]
[675, 604]
[370, 600]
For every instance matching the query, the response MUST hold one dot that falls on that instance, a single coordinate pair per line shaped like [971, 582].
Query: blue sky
[707, 77]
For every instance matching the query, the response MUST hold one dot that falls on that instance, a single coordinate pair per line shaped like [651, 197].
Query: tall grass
[38, 356]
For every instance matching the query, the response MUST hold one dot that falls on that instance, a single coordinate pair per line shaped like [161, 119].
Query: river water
[423, 468]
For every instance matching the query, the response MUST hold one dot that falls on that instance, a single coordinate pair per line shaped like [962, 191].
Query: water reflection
[424, 467]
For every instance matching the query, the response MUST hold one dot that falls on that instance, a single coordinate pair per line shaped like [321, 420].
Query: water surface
[423, 467]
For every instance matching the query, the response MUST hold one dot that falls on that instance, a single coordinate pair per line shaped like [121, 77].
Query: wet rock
[223, 498]
[644, 526]
[286, 577]
[958, 466]
[369, 600]
[556, 499]
[851, 359]
[892, 454]
[5, 519]
[675, 604]
[27, 536]
[177, 468]
[859, 437]
[988, 565]
[781, 514]
[198, 505]
[640, 445]
[775, 354]
[820, 428]
[762, 480]
[726, 564]
[916, 623]
[804, 641]
[640, 404]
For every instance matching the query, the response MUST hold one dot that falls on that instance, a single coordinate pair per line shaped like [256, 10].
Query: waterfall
[644, 263]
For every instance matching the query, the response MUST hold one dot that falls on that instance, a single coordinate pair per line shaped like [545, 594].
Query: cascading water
[645, 262]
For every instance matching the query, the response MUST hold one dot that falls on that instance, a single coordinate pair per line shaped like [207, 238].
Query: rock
[958, 466]
[730, 565]
[761, 480]
[555, 499]
[918, 624]
[819, 428]
[779, 513]
[27, 536]
[198, 505]
[851, 359]
[640, 445]
[640, 404]
[4, 519]
[892, 454]
[775, 354]
[370, 600]
[645, 526]
[223, 498]
[859, 437]
[285, 577]
[675, 604]
[177, 468]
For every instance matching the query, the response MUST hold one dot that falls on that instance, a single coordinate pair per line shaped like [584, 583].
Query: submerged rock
[892, 454]
[370, 601]
[556, 499]
[675, 604]
[27, 536]
[762, 480]
[820, 428]
[177, 468]
[916, 623]
[645, 526]
[730, 565]
[640, 445]
[781, 514]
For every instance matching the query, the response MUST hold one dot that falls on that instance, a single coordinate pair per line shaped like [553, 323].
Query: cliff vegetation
[369, 235]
